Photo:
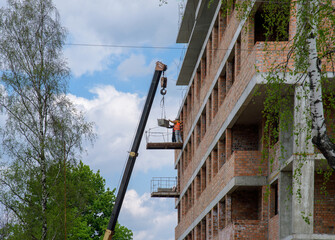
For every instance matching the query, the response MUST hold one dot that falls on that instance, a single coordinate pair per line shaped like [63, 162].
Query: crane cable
[163, 92]
[163, 112]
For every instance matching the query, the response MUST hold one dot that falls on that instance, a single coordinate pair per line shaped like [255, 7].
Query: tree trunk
[319, 130]
[44, 201]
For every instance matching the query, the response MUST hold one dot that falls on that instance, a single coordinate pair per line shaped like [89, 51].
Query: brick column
[198, 232]
[229, 74]
[209, 225]
[228, 209]
[222, 88]
[189, 107]
[178, 178]
[192, 145]
[192, 193]
[198, 186]
[203, 125]
[229, 143]
[209, 55]
[198, 85]
[215, 222]
[185, 155]
[214, 41]
[203, 229]
[184, 114]
[208, 112]
[209, 169]
[203, 70]
[222, 214]
[237, 56]
[203, 178]
[265, 203]
[221, 152]
[222, 24]
[198, 133]
[215, 162]
[189, 152]
[215, 105]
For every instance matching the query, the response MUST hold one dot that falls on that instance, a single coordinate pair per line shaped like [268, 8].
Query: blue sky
[110, 85]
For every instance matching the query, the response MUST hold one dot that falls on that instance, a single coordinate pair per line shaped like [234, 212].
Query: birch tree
[319, 131]
[43, 128]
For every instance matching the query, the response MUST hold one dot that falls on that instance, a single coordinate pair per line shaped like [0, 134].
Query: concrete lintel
[285, 203]
[310, 236]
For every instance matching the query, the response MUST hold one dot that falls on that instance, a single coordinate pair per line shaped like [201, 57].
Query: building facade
[226, 189]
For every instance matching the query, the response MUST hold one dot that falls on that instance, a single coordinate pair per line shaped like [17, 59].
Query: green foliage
[93, 206]
[43, 128]
[88, 208]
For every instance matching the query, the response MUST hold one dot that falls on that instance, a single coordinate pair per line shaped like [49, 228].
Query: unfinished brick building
[222, 180]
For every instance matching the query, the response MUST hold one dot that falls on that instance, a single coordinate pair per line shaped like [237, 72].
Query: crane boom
[160, 67]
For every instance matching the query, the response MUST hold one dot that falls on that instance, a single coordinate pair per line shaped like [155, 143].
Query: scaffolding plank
[168, 194]
[164, 145]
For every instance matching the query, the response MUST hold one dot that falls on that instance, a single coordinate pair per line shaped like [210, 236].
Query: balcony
[161, 140]
[164, 187]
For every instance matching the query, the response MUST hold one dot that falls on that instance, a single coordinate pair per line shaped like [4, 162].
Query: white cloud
[116, 115]
[136, 66]
[114, 22]
[149, 218]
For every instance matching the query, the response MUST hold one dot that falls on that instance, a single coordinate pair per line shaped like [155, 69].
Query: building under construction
[225, 189]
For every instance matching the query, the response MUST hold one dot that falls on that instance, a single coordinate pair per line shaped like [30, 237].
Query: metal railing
[158, 136]
[164, 184]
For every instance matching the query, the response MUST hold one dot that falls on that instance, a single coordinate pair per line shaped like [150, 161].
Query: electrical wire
[167, 48]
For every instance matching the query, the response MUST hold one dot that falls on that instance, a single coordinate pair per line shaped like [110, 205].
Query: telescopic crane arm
[160, 67]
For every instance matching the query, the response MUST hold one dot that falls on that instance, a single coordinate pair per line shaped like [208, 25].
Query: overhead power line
[162, 47]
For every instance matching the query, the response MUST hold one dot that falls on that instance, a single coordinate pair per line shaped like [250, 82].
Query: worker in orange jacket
[177, 129]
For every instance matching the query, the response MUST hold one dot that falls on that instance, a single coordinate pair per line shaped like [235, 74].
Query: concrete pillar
[303, 168]
[286, 136]
[285, 204]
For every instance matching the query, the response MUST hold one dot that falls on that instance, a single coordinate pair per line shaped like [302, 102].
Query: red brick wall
[274, 227]
[324, 205]
[245, 205]
[245, 138]
[250, 230]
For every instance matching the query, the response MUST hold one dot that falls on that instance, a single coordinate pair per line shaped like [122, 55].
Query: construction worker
[177, 129]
